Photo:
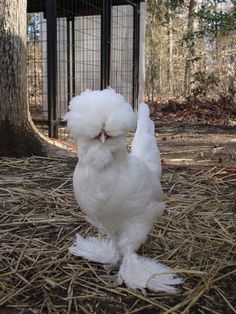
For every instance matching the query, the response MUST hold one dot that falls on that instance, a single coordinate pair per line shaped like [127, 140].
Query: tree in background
[190, 48]
[190, 54]
[217, 29]
[18, 135]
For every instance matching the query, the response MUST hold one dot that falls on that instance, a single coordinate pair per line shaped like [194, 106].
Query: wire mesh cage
[74, 45]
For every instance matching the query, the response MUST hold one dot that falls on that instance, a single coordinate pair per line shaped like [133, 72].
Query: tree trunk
[18, 135]
[169, 51]
[189, 66]
[160, 85]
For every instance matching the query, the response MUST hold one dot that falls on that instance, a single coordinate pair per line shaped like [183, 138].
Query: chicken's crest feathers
[92, 111]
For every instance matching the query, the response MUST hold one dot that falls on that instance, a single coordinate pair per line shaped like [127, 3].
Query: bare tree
[170, 70]
[189, 64]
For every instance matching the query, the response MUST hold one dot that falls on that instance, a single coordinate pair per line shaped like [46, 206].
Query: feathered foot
[142, 273]
[100, 251]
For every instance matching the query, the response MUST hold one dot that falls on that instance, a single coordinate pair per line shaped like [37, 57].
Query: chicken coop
[74, 45]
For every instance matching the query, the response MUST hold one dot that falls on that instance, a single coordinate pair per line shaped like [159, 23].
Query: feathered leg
[100, 251]
[142, 273]
[139, 272]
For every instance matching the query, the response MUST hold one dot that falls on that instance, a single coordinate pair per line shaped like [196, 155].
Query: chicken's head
[99, 114]
[100, 118]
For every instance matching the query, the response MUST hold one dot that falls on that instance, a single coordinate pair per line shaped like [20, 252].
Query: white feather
[93, 110]
[100, 251]
[141, 272]
[120, 193]
[144, 144]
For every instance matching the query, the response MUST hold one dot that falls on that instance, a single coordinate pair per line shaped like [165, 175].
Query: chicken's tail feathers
[144, 144]
[139, 272]
[96, 250]
[144, 121]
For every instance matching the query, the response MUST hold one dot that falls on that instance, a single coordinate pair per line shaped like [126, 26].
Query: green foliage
[174, 4]
[190, 47]
[189, 39]
[203, 82]
[214, 21]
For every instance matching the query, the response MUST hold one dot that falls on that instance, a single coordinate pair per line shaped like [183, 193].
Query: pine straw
[39, 219]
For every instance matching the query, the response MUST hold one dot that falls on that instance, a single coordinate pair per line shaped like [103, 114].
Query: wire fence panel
[73, 46]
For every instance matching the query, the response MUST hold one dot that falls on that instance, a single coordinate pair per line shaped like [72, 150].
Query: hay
[39, 218]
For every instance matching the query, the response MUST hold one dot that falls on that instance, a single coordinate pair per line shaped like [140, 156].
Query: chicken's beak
[103, 136]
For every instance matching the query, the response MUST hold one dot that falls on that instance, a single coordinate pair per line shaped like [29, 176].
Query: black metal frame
[51, 7]
[52, 11]
[70, 55]
[136, 44]
[105, 42]
[68, 20]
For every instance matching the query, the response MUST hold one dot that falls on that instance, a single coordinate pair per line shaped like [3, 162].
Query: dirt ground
[196, 132]
[39, 218]
[197, 145]
[196, 236]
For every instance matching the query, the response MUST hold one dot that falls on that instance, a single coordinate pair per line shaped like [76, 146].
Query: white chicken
[119, 192]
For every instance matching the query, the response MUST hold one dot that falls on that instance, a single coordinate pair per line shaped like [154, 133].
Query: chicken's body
[122, 200]
[119, 192]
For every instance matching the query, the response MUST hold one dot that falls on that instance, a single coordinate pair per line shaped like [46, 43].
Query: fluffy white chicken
[119, 192]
